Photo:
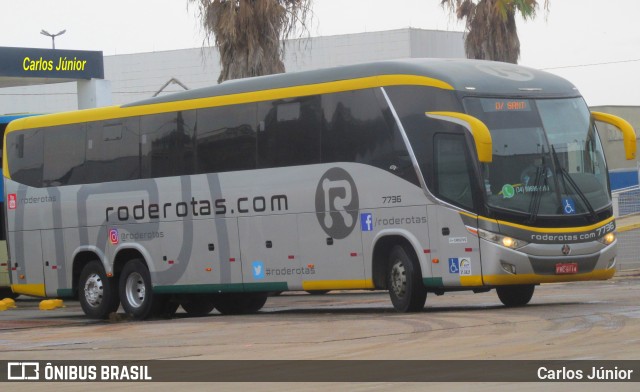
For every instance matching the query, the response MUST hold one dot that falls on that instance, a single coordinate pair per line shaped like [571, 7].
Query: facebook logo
[366, 222]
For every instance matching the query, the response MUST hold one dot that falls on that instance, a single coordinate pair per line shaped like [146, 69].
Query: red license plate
[566, 268]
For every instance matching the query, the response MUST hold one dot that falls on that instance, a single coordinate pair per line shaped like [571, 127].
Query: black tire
[136, 291]
[404, 281]
[513, 296]
[164, 306]
[241, 303]
[254, 302]
[5, 292]
[98, 295]
[198, 305]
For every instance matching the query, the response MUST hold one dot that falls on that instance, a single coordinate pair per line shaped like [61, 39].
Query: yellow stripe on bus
[34, 289]
[115, 112]
[501, 280]
[556, 230]
[118, 112]
[542, 229]
[337, 284]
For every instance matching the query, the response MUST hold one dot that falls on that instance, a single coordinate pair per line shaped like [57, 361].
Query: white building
[138, 76]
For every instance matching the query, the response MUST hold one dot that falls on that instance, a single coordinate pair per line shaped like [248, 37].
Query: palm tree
[491, 32]
[249, 33]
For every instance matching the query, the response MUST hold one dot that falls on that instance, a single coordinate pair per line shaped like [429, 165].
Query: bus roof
[7, 118]
[472, 76]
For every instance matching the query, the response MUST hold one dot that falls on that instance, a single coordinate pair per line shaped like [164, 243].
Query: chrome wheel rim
[135, 289]
[93, 290]
[399, 279]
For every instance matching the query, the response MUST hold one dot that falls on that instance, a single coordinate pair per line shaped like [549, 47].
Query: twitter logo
[258, 269]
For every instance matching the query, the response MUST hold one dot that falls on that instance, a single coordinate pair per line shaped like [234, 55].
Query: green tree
[491, 32]
[249, 34]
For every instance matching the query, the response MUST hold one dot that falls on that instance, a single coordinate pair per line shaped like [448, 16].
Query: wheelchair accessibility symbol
[568, 206]
[454, 265]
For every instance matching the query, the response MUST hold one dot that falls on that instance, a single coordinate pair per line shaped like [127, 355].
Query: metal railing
[626, 208]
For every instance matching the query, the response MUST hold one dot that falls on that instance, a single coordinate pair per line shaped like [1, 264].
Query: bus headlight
[608, 239]
[507, 242]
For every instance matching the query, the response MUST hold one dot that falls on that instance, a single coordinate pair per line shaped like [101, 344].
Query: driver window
[452, 171]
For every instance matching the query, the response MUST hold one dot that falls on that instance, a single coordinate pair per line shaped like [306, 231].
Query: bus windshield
[547, 156]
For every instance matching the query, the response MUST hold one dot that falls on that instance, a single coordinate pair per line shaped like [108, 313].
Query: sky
[594, 44]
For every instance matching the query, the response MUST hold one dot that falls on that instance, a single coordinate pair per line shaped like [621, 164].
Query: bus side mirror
[628, 134]
[479, 131]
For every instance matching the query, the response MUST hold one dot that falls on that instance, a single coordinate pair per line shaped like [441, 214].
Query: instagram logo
[113, 236]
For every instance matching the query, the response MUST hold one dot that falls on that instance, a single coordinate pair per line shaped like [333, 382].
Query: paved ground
[590, 320]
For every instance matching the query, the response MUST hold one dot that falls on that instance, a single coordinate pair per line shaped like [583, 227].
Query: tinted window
[226, 138]
[25, 150]
[113, 151]
[359, 128]
[289, 132]
[411, 103]
[167, 142]
[452, 170]
[64, 155]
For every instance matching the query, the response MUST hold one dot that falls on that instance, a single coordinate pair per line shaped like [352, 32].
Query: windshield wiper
[534, 204]
[565, 175]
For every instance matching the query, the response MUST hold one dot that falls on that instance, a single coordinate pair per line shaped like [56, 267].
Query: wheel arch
[383, 244]
[81, 257]
[124, 255]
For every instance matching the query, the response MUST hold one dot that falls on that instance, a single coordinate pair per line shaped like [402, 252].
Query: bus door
[455, 250]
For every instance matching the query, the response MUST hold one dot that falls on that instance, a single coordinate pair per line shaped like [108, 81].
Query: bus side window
[452, 170]
[112, 151]
[226, 138]
[291, 133]
[25, 152]
[64, 155]
[167, 144]
[359, 128]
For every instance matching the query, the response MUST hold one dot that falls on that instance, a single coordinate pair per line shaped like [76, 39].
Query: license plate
[566, 268]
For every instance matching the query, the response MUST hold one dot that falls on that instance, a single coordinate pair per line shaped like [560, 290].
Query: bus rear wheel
[5, 292]
[198, 305]
[136, 292]
[512, 296]
[98, 295]
[404, 282]
[241, 303]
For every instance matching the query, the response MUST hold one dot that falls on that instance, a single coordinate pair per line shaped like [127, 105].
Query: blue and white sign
[454, 265]
[568, 206]
[257, 267]
[366, 221]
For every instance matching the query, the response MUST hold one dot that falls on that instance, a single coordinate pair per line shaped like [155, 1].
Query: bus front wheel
[136, 291]
[98, 295]
[512, 296]
[404, 281]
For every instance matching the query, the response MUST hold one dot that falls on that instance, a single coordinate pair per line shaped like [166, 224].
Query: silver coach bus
[412, 176]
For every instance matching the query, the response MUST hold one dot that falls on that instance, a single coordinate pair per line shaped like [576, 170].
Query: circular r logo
[337, 203]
